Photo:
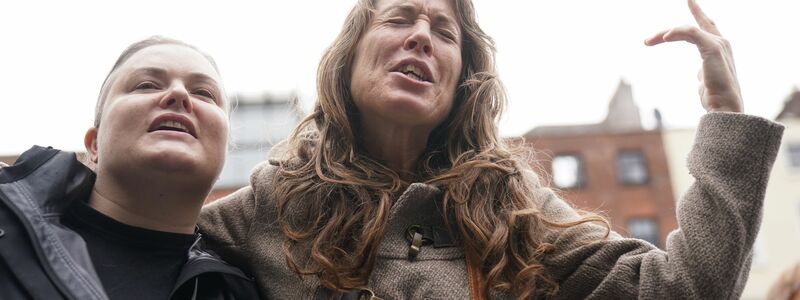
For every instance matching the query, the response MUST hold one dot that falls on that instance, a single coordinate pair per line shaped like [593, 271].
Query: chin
[171, 156]
[179, 168]
[174, 161]
[407, 103]
[411, 110]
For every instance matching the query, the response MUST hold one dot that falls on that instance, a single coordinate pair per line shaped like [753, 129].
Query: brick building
[615, 167]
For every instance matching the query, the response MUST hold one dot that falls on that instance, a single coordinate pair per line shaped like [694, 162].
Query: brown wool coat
[708, 257]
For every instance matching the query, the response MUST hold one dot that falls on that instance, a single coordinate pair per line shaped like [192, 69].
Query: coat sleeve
[225, 225]
[708, 256]
[227, 221]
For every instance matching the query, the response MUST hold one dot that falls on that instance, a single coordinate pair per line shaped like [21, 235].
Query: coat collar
[54, 178]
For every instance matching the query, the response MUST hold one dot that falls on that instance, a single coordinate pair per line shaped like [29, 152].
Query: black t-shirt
[132, 262]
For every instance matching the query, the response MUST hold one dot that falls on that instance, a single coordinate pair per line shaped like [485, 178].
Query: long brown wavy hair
[334, 200]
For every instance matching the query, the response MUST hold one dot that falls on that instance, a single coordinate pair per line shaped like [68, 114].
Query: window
[631, 167]
[255, 127]
[239, 165]
[645, 229]
[568, 171]
[794, 155]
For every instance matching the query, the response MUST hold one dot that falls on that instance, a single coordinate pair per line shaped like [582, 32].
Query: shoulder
[263, 178]
[244, 205]
[53, 177]
[30, 161]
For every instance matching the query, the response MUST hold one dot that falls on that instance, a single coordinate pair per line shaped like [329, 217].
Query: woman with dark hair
[126, 228]
[398, 185]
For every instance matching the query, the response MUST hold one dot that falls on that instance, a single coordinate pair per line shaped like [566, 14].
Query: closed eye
[448, 35]
[146, 85]
[397, 21]
[205, 93]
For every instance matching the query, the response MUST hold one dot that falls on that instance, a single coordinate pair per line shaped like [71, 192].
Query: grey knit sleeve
[708, 256]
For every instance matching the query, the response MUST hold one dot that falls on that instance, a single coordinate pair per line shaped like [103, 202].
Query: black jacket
[42, 259]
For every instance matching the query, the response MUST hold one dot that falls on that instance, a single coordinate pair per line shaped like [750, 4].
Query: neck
[149, 202]
[396, 146]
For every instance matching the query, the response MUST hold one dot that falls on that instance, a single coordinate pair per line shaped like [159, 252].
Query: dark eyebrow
[404, 8]
[410, 9]
[151, 71]
[445, 20]
[162, 73]
[203, 77]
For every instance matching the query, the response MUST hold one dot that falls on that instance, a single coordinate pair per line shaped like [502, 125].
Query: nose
[177, 97]
[420, 38]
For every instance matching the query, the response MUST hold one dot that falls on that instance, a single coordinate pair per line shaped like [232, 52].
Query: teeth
[414, 70]
[173, 124]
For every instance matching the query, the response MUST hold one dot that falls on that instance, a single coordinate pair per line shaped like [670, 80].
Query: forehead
[432, 8]
[177, 60]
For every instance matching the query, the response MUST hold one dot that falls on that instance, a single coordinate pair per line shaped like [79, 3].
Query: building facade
[615, 168]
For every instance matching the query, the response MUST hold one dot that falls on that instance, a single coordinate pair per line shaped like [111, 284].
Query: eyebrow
[444, 19]
[162, 73]
[407, 8]
[151, 71]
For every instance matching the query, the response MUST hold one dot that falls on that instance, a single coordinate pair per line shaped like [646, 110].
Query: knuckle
[725, 43]
[721, 46]
[717, 45]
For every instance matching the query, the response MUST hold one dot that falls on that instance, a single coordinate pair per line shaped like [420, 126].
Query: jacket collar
[54, 178]
[64, 180]
[41, 184]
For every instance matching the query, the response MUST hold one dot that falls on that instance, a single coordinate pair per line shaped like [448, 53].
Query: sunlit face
[407, 63]
[164, 111]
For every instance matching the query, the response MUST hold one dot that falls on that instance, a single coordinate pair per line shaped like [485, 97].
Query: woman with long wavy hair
[398, 186]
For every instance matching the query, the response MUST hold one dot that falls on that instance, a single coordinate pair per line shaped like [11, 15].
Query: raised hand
[719, 89]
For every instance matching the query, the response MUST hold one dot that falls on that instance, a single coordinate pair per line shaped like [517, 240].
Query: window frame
[618, 167]
[640, 220]
[580, 180]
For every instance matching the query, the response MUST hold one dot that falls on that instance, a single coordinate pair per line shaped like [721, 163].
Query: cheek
[368, 58]
[119, 121]
[360, 83]
[455, 65]
[217, 125]
[452, 66]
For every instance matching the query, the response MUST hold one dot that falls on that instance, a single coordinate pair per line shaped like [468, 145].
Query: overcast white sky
[560, 60]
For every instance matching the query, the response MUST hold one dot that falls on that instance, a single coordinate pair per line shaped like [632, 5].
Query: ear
[90, 142]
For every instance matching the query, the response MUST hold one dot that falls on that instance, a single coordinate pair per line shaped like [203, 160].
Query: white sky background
[560, 60]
